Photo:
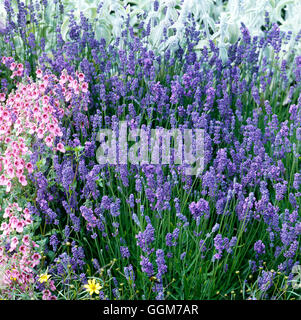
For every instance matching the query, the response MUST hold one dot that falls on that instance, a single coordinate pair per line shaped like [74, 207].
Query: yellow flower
[44, 277]
[92, 287]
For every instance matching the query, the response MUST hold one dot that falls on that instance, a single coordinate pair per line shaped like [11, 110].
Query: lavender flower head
[199, 209]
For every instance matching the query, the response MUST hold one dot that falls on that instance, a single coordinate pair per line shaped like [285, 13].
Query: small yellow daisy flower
[92, 287]
[44, 277]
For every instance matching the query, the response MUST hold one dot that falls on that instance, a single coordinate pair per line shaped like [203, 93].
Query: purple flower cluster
[259, 247]
[221, 244]
[146, 238]
[247, 199]
[200, 208]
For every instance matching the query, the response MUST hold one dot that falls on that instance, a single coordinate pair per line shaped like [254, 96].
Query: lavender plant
[149, 231]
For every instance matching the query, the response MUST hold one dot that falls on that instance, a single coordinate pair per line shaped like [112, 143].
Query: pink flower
[45, 100]
[51, 127]
[13, 222]
[12, 66]
[19, 227]
[45, 117]
[72, 84]
[19, 72]
[58, 132]
[11, 172]
[49, 141]
[81, 77]
[40, 133]
[18, 164]
[39, 73]
[13, 244]
[68, 96]
[3, 226]
[42, 87]
[23, 248]
[35, 259]
[7, 213]
[3, 180]
[23, 180]
[60, 147]
[8, 186]
[36, 110]
[19, 172]
[26, 239]
[85, 87]
[46, 294]
[29, 167]
[27, 221]
[51, 285]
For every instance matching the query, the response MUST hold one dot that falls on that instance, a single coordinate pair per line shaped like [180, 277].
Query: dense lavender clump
[151, 225]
